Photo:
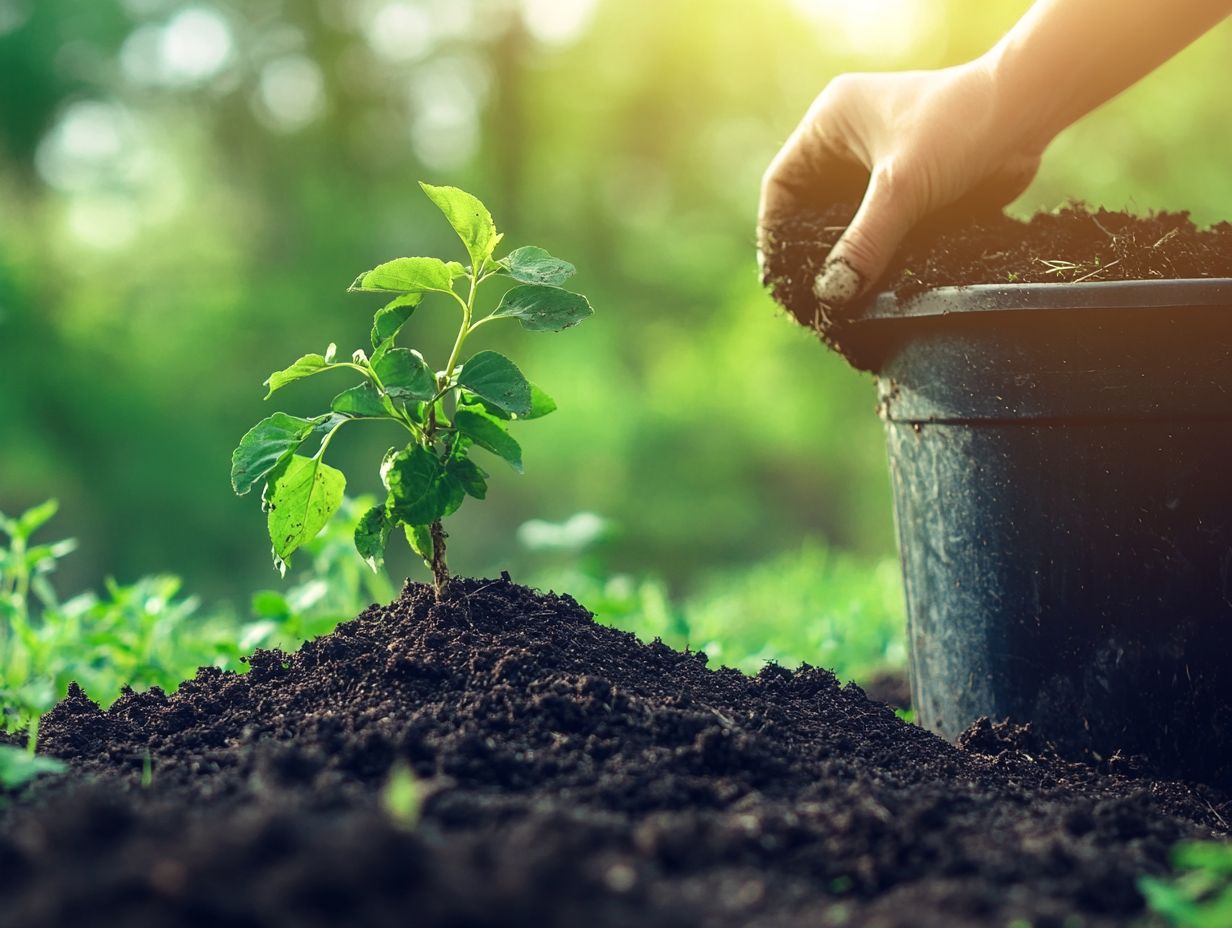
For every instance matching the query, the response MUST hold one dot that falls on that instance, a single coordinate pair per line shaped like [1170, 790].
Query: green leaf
[387, 464]
[35, 518]
[323, 425]
[402, 797]
[392, 316]
[306, 366]
[420, 490]
[487, 432]
[470, 219]
[540, 404]
[533, 265]
[419, 537]
[470, 475]
[302, 496]
[371, 536]
[270, 604]
[363, 401]
[405, 374]
[1215, 856]
[407, 275]
[18, 766]
[266, 445]
[494, 378]
[543, 309]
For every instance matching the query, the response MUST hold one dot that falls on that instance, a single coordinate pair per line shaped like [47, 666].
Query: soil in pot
[571, 775]
[1073, 244]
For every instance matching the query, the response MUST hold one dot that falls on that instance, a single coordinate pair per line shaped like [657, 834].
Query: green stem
[327, 439]
[484, 320]
[21, 581]
[467, 311]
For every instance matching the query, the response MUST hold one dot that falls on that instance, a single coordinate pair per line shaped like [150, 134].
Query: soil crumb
[1071, 245]
[568, 774]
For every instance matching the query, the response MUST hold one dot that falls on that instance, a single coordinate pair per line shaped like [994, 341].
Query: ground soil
[1072, 244]
[572, 775]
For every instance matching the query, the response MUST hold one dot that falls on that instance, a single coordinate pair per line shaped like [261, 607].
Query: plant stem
[467, 311]
[440, 570]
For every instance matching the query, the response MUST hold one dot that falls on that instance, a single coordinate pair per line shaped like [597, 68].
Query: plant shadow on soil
[570, 774]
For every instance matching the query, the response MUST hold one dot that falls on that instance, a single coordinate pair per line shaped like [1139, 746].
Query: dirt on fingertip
[567, 774]
[1074, 244]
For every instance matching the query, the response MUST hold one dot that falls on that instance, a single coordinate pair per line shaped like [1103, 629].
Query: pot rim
[1109, 294]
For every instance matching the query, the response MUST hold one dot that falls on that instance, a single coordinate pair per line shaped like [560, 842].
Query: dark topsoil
[573, 776]
[1071, 245]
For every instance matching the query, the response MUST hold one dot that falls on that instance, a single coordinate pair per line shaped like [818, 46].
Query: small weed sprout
[402, 797]
[19, 766]
[467, 404]
[1200, 894]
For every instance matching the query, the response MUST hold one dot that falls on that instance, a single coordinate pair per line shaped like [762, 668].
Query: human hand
[925, 140]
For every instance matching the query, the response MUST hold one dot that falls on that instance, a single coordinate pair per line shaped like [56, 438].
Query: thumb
[865, 250]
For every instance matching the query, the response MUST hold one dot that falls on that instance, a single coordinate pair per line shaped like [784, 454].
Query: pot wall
[1063, 494]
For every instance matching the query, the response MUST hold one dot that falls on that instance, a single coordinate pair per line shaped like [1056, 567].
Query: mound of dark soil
[572, 775]
[1070, 245]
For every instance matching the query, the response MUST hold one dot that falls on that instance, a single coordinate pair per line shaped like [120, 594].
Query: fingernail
[838, 283]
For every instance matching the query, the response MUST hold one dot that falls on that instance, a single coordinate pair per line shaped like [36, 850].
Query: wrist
[1024, 119]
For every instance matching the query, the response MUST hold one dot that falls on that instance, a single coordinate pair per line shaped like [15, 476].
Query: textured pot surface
[1062, 465]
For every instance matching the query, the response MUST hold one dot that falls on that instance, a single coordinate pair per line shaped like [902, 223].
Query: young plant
[446, 413]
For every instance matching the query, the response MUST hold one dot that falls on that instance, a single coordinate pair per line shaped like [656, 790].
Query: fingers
[786, 188]
[808, 173]
[889, 209]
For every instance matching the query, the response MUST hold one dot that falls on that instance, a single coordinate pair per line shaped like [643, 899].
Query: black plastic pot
[1062, 465]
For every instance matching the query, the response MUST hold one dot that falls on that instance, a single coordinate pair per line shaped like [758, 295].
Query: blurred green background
[186, 189]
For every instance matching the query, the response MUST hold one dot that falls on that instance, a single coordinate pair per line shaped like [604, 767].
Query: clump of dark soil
[572, 775]
[1071, 245]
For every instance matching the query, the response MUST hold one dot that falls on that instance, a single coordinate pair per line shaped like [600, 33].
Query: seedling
[18, 767]
[402, 797]
[1199, 895]
[447, 413]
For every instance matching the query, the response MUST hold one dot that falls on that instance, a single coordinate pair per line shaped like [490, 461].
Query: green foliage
[145, 633]
[1200, 895]
[402, 797]
[813, 605]
[465, 405]
[301, 496]
[18, 767]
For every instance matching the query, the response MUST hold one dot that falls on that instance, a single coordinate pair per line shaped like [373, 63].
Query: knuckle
[860, 248]
[842, 88]
[833, 99]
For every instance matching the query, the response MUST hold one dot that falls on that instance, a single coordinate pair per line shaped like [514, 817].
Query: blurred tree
[187, 189]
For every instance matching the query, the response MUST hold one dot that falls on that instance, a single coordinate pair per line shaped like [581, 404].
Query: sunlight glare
[196, 45]
[446, 98]
[399, 31]
[93, 144]
[290, 93]
[878, 29]
[557, 22]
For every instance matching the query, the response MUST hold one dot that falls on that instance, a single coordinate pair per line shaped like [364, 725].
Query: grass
[1200, 894]
[147, 633]
[811, 605]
